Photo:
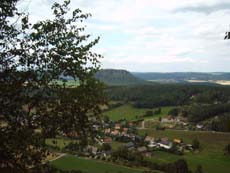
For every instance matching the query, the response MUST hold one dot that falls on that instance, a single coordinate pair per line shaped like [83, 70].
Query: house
[199, 126]
[115, 132]
[96, 127]
[124, 134]
[107, 140]
[117, 126]
[142, 149]
[125, 130]
[166, 145]
[92, 149]
[130, 124]
[149, 139]
[177, 141]
[107, 153]
[72, 134]
[164, 139]
[129, 145]
[167, 120]
[107, 130]
[147, 154]
[152, 145]
[106, 125]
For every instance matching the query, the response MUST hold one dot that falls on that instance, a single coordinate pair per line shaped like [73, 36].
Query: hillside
[118, 77]
[182, 76]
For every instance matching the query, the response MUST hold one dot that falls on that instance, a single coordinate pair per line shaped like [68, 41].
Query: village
[125, 133]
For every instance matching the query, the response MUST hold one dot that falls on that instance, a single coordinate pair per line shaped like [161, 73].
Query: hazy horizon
[166, 71]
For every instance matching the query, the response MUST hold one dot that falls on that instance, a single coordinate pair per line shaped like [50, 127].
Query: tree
[157, 111]
[106, 147]
[148, 113]
[33, 105]
[227, 149]
[196, 144]
[106, 119]
[199, 169]
[227, 35]
[181, 166]
[173, 112]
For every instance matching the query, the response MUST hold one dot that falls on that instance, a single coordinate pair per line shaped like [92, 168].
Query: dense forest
[195, 102]
[155, 95]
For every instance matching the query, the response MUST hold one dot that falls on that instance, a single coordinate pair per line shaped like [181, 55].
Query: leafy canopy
[33, 106]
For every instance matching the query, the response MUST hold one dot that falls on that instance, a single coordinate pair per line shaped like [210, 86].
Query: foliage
[148, 113]
[222, 123]
[195, 144]
[158, 95]
[157, 111]
[198, 112]
[106, 147]
[227, 149]
[72, 146]
[173, 112]
[33, 105]
[199, 169]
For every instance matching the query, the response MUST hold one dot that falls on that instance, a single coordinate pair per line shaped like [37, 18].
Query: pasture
[129, 112]
[211, 155]
[71, 162]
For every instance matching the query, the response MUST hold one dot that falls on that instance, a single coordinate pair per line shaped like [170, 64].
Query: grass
[129, 112]
[70, 162]
[211, 156]
[69, 83]
[115, 145]
[59, 142]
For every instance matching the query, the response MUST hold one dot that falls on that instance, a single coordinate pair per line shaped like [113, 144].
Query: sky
[153, 35]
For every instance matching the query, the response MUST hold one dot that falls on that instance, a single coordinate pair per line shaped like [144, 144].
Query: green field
[70, 162]
[211, 156]
[69, 83]
[59, 142]
[129, 112]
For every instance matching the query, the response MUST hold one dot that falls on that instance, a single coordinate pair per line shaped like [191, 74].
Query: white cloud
[138, 33]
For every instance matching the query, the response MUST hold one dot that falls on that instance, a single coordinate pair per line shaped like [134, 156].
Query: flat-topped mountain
[118, 77]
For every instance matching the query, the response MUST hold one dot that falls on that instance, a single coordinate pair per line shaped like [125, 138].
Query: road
[58, 157]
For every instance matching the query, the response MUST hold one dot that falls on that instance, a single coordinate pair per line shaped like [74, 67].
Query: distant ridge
[118, 77]
[183, 76]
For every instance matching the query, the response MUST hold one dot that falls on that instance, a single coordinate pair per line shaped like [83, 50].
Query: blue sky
[154, 35]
